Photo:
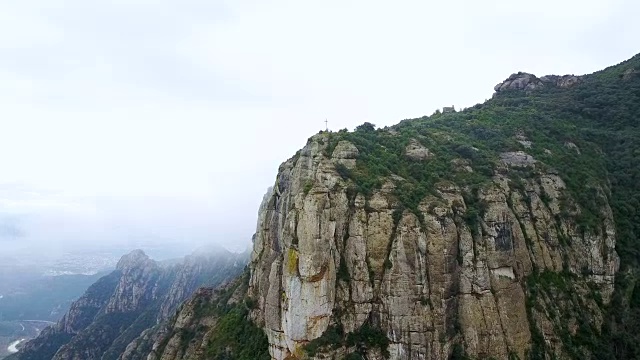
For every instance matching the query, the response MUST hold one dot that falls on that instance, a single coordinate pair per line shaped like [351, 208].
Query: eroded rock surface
[329, 256]
[417, 151]
[529, 82]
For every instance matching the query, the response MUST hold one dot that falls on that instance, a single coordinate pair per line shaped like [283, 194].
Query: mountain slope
[117, 308]
[214, 324]
[491, 232]
[508, 230]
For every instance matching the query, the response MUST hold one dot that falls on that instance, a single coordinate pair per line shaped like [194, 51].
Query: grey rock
[517, 159]
[414, 279]
[417, 151]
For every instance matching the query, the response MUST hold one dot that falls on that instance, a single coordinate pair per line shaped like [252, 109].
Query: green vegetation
[235, 336]
[146, 320]
[292, 261]
[382, 153]
[366, 337]
[458, 353]
[588, 134]
[332, 338]
[343, 271]
[307, 187]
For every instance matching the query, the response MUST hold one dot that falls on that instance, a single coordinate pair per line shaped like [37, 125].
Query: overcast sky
[130, 121]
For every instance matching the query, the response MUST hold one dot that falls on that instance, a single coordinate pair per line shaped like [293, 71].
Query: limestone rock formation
[328, 258]
[517, 159]
[417, 151]
[529, 82]
[519, 81]
[565, 81]
[346, 154]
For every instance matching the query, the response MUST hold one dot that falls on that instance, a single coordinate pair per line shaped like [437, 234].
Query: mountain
[139, 294]
[213, 324]
[508, 230]
[494, 232]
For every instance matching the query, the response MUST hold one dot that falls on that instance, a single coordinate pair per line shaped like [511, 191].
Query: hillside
[505, 231]
[493, 232]
[139, 294]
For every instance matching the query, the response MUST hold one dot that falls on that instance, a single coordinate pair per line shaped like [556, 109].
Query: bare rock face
[519, 81]
[565, 81]
[330, 256]
[529, 82]
[517, 159]
[417, 151]
[568, 81]
[631, 74]
[572, 146]
[139, 273]
[346, 154]
[462, 165]
[522, 139]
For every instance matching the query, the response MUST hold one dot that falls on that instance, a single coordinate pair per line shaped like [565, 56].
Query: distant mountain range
[139, 294]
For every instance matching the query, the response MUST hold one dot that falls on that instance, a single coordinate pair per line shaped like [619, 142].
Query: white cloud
[179, 113]
[24, 28]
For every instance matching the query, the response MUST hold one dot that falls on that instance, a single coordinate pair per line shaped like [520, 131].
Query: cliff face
[136, 296]
[326, 257]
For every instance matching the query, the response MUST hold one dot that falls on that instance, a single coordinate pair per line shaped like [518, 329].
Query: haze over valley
[277, 180]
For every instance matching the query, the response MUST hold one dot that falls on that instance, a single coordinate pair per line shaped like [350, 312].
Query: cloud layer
[167, 120]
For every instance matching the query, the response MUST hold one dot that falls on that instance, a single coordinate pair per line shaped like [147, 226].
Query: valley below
[14, 333]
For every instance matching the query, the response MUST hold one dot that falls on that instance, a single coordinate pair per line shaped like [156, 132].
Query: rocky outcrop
[417, 151]
[346, 154]
[522, 139]
[565, 81]
[517, 159]
[139, 275]
[529, 82]
[630, 73]
[572, 146]
[430, 280]
[520, 81]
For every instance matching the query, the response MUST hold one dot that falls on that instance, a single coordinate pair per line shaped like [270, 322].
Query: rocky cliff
[489, 233]
[326, 256]
[136, 296]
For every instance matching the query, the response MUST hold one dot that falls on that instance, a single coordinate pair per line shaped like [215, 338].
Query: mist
[161, 124]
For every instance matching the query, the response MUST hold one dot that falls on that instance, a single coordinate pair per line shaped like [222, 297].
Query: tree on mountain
[367, 126]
